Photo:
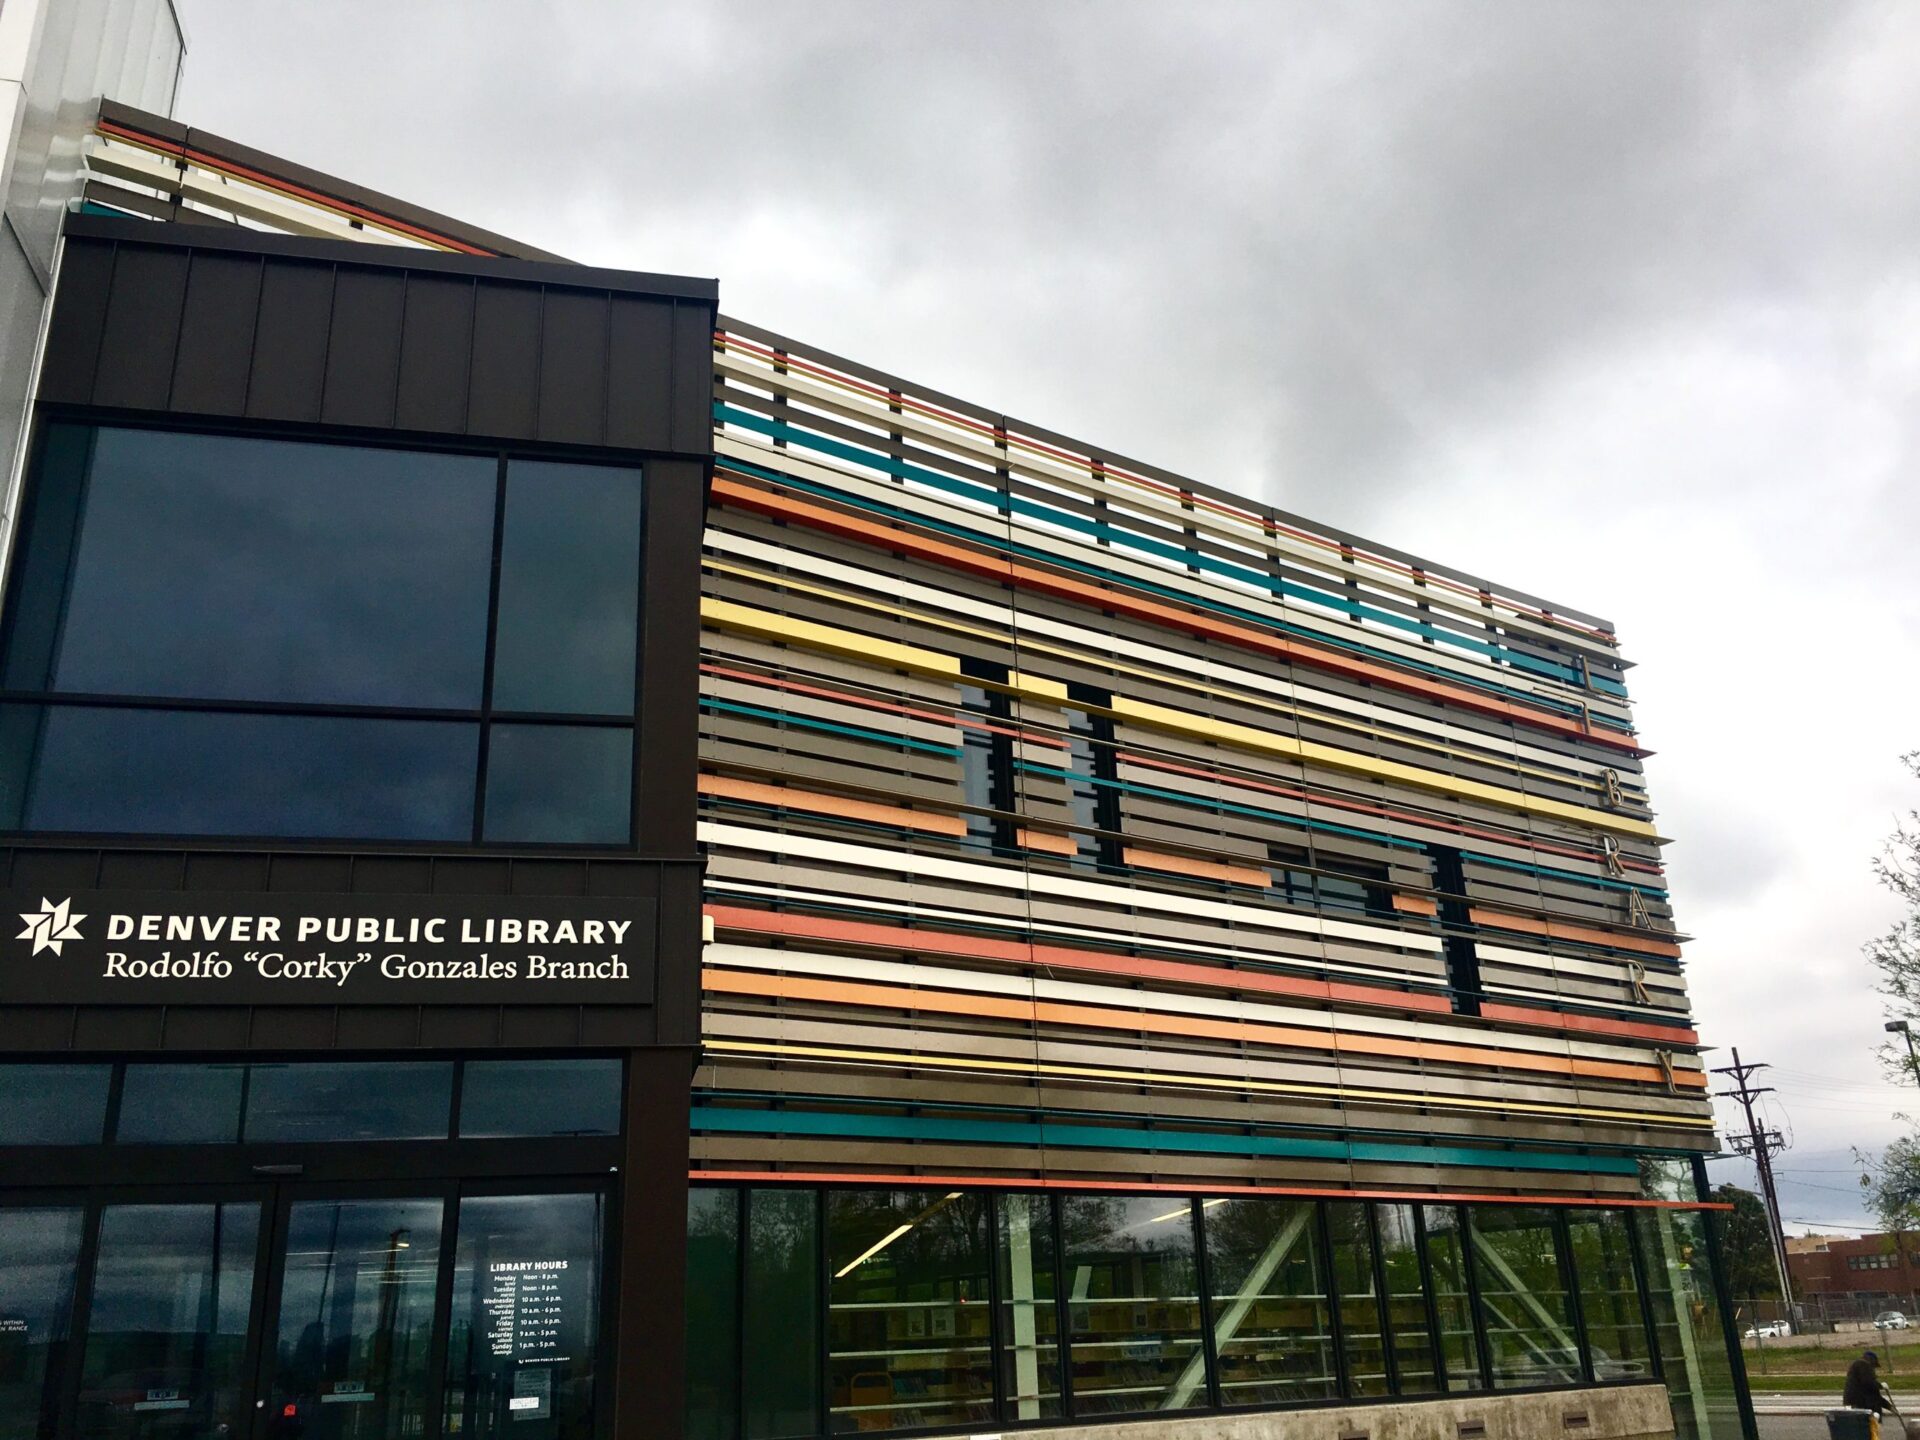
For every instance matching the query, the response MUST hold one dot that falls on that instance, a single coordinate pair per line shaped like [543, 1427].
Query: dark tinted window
[540, 1097]
[180, 1104]
[569, 590]
[780, 1315]
[526, 1302]
[909, 1329]
[53, 1104]
[713, 1314]
[172, 1294]
[553, 784]
[222, 567]
[39, 1253]
[196, 772]
[1133, 1308]
[365, 1100]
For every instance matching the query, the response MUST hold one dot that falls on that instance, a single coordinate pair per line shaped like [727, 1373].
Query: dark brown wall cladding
[670, 1015]
[193, 320]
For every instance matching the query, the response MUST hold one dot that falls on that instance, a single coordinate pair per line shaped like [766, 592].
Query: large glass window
[909, 1327]
[1695, 1359]
[713, 1314]
[569, 590]
[780, 1294]
[54, 1104]
[526, 1302]
[1452, 1296]
[350, 1100]
[1029, 1309]
[135, 771]
[540, 1097]
[181, 1104]
[1609, 1292]
[167, 1323]
[39, 1255]
[1132, 1302]
[333, 602]
[217, 567]
[1406, 1294]
[1272, 1324]
[1363, 1331]
[1529, 1317]
[356, 1319]
[558, 784]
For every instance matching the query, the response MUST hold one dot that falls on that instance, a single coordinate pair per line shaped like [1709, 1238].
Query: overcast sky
[1617, 303]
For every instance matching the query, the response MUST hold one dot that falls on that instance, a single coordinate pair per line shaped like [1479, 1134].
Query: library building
[581, 868]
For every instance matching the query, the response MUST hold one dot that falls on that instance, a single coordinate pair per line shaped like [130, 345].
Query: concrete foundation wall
[1637, 1412]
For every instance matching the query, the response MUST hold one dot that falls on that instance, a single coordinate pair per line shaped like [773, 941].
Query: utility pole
[1761, 1144]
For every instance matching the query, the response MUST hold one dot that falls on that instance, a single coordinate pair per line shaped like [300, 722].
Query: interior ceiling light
[893, 1235]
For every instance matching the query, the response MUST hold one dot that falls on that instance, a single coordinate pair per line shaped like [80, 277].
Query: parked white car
[1890, 1320]
[1772, 1330]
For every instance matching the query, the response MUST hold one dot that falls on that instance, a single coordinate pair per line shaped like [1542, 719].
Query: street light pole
[1905, 1032]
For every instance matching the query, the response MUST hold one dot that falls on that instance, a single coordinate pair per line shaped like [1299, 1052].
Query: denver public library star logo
[51, 925]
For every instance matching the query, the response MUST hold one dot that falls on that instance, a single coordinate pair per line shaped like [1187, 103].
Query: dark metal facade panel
[288, 360]
[573, 367]
[140, 329]
[189, 320]
[637, 329]
[363, 348]
[503, 396]
[216, 335]
[437, 324]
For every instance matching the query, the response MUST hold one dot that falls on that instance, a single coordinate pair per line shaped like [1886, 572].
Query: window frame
[740, 1347]
[483, 716]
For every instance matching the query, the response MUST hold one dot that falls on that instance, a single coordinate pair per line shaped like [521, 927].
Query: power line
[1761, 1144]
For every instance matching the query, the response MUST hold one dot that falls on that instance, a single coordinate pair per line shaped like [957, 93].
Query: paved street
[1806, 1427]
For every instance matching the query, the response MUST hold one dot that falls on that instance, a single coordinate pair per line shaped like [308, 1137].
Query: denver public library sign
[172, 948]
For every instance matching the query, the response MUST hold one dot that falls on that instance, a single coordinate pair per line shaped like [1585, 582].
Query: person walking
[1863, 1390]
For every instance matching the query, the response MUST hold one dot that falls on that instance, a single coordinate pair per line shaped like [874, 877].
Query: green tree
[1891, 1185]
[1896, 954]
[1746, 1248]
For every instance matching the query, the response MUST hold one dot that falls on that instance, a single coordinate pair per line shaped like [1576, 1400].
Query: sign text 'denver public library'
[183, 948]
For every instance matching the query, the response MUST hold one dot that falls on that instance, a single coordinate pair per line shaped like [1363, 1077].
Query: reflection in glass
[1609, 1294]
[1406, 1300]
[350, 1100]
[1694, 1354]
[526, 1297]
[356, 1320]
[1529, 1319]
[569, 590]
[540, 1097]
[1272, 1327]
[713, 1314]
[180, 1105]
[559, 784]
[54, 1104]
[224, 567]
[909, 1327]
[41, 1250]
[1132, 1302]
[167, 1326]
[115, 770]
[1452, 1300]
[780, 1293]
[1029, 1324]
[1362, 1333]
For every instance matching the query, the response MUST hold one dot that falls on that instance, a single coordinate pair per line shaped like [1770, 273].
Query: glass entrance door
[468, 1312]
[164, 1355]
[354, 1331]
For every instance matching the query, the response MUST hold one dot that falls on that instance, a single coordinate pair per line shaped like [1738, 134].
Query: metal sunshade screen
[1067, 820]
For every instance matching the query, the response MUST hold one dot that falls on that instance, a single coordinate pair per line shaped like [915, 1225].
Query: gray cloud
[1615, 302]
